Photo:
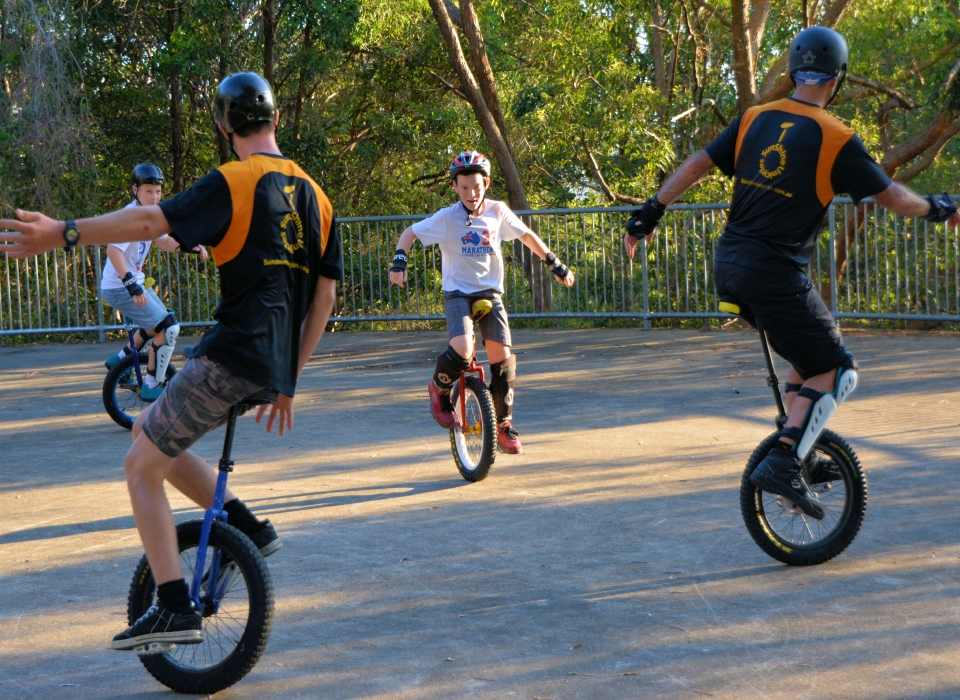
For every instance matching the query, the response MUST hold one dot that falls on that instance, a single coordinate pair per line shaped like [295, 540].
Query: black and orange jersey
[271, 231]
[788, 159]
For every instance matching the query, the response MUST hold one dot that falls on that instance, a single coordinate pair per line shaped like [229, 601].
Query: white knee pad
[824, 407]
[165, 351]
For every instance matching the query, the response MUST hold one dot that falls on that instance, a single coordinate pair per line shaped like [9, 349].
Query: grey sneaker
[266, 539]
[780, 473]
[160, 625]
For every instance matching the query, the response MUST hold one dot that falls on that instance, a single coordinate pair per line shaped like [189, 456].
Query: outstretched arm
[34, 233]
[536, 244]
[905, 202]
[688, 175]
[324, 299]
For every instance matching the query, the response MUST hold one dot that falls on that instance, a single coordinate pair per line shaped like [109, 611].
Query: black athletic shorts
[785, 304]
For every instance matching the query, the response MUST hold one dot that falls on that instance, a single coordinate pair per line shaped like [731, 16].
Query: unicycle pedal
[153, 648]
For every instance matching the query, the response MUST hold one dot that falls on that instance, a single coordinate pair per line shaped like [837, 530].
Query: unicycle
[831, 470]
[121, 386]
[230, 583]
[473, 437]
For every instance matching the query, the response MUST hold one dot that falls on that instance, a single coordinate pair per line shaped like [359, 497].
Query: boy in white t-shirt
[122, 282]
[469, 234]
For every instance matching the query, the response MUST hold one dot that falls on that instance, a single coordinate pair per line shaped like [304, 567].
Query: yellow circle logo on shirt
[292, 218]
[781, 162]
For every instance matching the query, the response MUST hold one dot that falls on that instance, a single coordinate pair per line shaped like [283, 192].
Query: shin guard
[823, 406]
[450, 366]
[503, 376]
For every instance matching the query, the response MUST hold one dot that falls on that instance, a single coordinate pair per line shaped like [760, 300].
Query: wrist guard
[556, 267]
[645, 219]
[941, 208]
[132, 286]
[400, 260]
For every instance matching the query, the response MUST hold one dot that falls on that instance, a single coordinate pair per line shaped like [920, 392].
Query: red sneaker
[442, 410]
[508, 439]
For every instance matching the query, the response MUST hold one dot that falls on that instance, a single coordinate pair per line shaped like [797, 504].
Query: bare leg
[799, 405]
[496, 352]
[463, 345]
[191, 476]
[146, 468]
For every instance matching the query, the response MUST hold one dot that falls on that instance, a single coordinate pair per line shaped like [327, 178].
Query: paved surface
[609, 561]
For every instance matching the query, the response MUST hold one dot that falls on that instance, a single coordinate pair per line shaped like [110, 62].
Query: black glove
[133, 287]
[556, 267]
[400, 260]
[189, 251]
[941, 208]
[646, 218]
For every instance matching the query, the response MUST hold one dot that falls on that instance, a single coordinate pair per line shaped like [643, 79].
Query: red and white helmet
[470, 162]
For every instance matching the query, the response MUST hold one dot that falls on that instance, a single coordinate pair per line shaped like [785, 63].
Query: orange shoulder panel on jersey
[747, 121]
[242, 178]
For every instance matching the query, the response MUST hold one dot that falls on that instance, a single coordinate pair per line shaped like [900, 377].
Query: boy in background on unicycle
[469, 234]
[122, 287]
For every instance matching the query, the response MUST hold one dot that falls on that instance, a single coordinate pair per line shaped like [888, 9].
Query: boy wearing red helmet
[469, 234]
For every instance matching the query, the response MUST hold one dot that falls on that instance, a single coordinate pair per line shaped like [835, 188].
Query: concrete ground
[608, 561]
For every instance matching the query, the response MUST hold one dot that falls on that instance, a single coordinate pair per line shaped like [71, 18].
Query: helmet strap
[230, 141]
[474, 212]
[843, 77]
[136, 195]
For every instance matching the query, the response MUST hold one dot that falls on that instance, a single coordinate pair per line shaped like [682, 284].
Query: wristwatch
[71, 234]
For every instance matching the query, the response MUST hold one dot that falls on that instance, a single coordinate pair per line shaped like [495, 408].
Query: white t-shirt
[472, 261]
[133, 254]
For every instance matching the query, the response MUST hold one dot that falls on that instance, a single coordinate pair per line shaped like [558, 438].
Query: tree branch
[900, 155]
[903, 101]
[911, 171]
[448, 86]
[596, 170]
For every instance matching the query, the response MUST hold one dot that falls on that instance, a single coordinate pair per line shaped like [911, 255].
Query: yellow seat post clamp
[480, 308]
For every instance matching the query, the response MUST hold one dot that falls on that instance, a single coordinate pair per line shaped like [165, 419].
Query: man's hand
[282, 409]
[201, 251]
[399, 278]
[140, 300]
[398, 271]
[631, 243]
[568, 280]
[34, 234]
[563, 274]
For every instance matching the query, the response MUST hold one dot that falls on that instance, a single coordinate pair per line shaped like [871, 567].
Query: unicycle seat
[264, 396]
[732, 305]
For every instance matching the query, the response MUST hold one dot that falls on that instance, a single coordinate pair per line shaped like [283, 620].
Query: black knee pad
[503, 376]
[849, 362]
[168, 320]
[450, 365]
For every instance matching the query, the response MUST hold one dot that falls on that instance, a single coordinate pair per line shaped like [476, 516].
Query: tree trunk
[743, 63]
[490, 123]
[302, 77]
[223, 146]
[177, 149]
[268, 9]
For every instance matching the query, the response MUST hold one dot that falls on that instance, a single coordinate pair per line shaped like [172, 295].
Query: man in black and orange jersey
[789, 159]
[273, 239]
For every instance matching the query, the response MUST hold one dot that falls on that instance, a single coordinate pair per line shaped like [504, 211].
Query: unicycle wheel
[474, 440]
[832, 471]
[121, 392]
[235, 628]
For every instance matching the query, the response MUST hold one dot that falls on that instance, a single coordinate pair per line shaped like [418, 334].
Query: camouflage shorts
[196, 401]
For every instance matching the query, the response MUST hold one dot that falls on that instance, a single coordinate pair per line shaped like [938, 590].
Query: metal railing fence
[870, 264]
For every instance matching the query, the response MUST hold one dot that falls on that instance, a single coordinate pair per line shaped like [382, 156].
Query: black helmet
[821, 50]
[146, 174]
[244, 98]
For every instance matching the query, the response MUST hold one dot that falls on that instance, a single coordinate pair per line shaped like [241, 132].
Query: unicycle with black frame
[230, 584]
[831, 470]
[473, 437]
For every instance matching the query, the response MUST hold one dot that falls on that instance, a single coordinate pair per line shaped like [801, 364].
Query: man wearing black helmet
[789, 159]
[123, 287]
[271, 231]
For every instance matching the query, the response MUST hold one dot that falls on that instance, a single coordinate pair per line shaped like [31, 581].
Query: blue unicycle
[121, 386]
[230, 583]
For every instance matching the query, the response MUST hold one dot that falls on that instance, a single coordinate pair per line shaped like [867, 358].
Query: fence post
[646, 288]
[832, 216]
[101, 336]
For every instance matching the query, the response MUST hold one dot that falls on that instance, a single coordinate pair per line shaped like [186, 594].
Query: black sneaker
[160, 625]
[266, 539]
[779, 473]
